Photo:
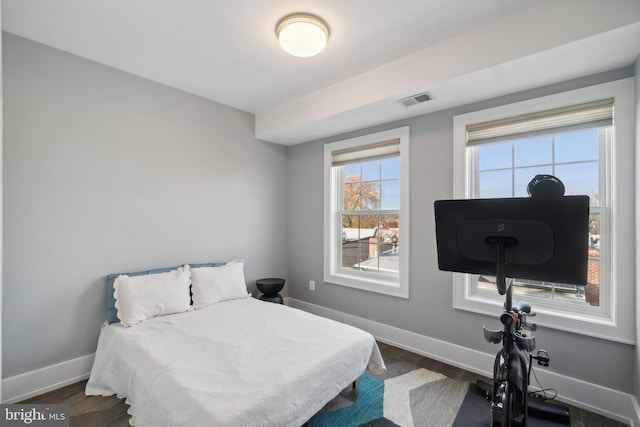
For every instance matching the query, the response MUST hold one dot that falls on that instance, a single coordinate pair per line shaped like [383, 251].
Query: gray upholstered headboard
[112, 312]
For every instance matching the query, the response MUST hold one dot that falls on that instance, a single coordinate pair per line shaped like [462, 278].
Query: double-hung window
[578, 137]
[366, 212]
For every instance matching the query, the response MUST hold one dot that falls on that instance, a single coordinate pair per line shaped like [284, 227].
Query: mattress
[235, 363]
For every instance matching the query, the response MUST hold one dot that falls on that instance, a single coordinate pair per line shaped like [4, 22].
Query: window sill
[375, 285]
[597, 326]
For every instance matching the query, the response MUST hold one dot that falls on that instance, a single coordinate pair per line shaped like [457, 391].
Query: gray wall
[1, 150]
[429, 310]
[106, 172]
[637, 354]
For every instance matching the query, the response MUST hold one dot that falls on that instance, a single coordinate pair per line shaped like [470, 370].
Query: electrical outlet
[312, 285]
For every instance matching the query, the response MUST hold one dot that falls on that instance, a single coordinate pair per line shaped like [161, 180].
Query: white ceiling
[379, 51]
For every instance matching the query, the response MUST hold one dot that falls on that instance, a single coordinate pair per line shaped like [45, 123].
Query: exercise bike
[509, 392]
[541, 237]
[510, 376]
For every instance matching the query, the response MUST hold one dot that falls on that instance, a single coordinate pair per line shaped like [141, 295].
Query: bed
[237, 361]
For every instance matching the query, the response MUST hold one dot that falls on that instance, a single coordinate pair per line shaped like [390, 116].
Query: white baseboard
[33, 383]
[635, 422]
[605, 401]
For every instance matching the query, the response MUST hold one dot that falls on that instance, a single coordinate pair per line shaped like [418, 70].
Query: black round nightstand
[270, 288]
[274, 298]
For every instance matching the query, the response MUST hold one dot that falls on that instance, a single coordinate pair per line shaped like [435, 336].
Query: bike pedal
[542, 358]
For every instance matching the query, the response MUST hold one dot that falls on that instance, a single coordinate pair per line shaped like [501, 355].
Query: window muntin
[614, 208]
[503, 169]
[366, 212]
[370, 215]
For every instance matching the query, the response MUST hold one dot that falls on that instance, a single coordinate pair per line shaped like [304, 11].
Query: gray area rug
[411, 396]
[407, 396]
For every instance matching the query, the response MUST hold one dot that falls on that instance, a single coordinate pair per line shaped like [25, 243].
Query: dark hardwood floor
[94, 411]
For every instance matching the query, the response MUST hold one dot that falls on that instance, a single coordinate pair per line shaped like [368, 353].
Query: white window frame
[613, 320]
[333, 271]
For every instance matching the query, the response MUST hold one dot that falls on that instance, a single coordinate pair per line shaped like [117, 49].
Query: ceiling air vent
[416, 99]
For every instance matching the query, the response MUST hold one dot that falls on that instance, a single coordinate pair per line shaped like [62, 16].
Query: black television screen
[544, 239]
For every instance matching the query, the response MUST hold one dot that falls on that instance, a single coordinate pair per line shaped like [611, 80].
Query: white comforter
[236, 363]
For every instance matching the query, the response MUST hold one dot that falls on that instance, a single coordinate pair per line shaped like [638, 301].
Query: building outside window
[583, 138]
[366, 212]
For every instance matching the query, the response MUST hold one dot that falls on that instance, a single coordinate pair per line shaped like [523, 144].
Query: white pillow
[210, 285]
[139, 298]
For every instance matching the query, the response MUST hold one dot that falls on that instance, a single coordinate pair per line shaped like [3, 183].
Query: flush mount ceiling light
[302, 35]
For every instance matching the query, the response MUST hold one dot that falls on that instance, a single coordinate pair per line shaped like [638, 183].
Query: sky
[386, 172]
[505, 168]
